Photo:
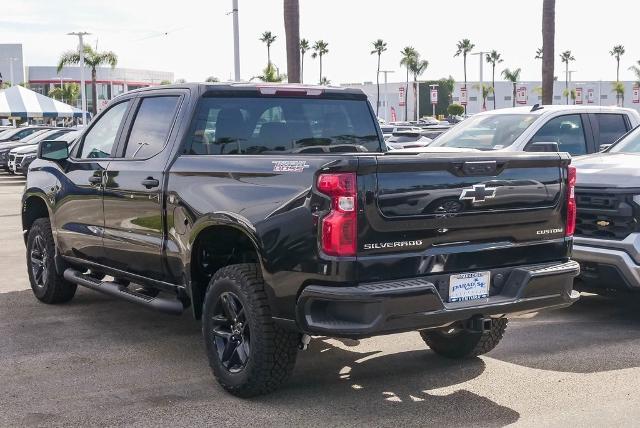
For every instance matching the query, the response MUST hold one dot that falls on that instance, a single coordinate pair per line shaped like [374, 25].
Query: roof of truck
[541, 109]
[256, 86]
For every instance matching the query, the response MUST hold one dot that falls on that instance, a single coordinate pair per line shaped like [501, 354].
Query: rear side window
[268, 125]
[151, 127]
[611, 126]
[567, 131]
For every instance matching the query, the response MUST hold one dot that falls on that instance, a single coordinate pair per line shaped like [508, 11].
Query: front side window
[99, 140]
[151, 127]
[486, 132]
[567, 131]
[611, 126]
[269, 125]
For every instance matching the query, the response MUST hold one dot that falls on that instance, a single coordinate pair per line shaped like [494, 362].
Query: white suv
[578, 130]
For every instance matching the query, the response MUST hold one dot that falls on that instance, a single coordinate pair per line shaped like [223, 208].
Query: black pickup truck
[275, 213]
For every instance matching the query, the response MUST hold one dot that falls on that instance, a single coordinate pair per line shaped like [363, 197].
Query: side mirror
[543, 147]
[604, 147]
[53, 150]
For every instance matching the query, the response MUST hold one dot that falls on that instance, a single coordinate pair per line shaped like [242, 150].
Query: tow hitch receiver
[479, 324]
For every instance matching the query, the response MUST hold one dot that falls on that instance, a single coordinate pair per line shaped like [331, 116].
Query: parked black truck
[275, 213]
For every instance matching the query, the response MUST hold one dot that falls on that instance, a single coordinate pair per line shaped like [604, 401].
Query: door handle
[150, 182]
[95, 179]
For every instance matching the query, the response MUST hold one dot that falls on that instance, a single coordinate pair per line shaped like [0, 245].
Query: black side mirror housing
[550, 146]
[53, 150]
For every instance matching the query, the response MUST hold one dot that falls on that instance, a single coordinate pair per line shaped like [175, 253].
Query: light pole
[481, 56]
[11, 70]
[236, 42]
[568, 77]
[83, 94]
[386, 94]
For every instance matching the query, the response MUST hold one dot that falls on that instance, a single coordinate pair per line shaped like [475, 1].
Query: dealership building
[393, 101]
[111, 82]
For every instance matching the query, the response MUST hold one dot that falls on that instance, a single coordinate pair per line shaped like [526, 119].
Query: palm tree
[486, 91]
[512, 76]
[493, 58]
[618, 88]
[617, 52]
[92, 59]
[270, 74]
[268, 39]
[325, 81]
[566, 57]
[408, 58]
[68, 93]
[304, 47]
[464, 47]
[320, 48]
[539, 53]
[212, 79]
[570, 93]
[548, 49]
[418, 67]
[292, 34]
[379, 46]
[636, 71]
[449, 84]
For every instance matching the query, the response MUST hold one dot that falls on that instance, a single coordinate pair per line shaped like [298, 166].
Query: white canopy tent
[20, 102]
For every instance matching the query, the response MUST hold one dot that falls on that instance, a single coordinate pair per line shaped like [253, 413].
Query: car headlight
[29, 157]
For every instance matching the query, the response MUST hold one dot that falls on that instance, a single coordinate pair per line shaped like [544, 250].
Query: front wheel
[47, 285]
[248, 353]
[454, 342]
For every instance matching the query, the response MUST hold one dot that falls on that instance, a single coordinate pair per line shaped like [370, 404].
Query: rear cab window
[255, 124]
[611, 126]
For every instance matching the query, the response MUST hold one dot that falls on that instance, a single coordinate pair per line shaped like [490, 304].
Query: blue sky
[199, 39]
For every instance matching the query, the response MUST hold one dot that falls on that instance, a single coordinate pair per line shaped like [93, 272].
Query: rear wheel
[457, 342]
[47, 285]
[248, 353]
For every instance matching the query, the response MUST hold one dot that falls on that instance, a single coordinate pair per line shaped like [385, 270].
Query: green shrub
[455, 109]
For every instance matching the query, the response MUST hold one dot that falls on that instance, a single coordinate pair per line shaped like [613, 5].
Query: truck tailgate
[414, 203]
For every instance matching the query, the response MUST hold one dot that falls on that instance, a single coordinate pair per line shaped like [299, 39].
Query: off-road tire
[52, 287]
[465, 343]
[272, 351]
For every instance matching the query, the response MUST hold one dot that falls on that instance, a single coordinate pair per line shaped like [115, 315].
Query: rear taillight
[339, 227]
[571, 201]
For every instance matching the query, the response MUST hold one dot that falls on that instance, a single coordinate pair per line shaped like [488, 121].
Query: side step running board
[168, 306]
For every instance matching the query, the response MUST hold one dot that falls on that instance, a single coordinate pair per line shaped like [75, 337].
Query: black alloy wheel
[231, 332]
[39, 261]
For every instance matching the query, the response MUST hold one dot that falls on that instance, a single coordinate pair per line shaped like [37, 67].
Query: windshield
[486, 132]
[629, 144]
[266, 125]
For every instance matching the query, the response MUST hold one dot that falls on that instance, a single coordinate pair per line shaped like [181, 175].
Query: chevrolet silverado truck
[607, 242]
[275, 213]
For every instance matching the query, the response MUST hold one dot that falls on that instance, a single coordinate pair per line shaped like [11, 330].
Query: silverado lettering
[392, 245]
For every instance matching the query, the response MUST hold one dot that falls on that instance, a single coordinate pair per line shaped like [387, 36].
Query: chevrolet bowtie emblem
[603, 223]
[478, 193]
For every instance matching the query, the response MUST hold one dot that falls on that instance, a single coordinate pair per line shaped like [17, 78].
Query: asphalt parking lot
[97, 361]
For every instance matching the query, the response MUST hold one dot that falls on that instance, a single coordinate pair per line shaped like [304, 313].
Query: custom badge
[289, 165]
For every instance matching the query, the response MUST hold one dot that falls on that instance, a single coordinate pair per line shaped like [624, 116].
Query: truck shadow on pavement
[596, 334]
[147, 368]
[135, 363]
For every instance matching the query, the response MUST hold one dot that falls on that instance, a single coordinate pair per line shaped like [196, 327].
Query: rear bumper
[413, 304]
[608, 263]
